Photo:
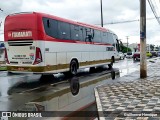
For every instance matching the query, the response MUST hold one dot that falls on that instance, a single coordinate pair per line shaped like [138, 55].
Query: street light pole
[127, 43]
[143, 64]
[101, 14]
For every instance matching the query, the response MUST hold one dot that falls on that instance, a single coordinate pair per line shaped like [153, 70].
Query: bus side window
[51, 27]
[89, 35]
[82, 33]
[76, 33]
[104, 37]
[110, 38]
[97, 36]
[109, 48]
[64, 30]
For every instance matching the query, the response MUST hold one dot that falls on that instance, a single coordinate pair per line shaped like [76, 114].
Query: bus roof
[63, 20]
[71, 21]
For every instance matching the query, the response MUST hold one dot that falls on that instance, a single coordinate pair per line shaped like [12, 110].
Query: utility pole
[143, 64]
[127, 43]
[101, 14]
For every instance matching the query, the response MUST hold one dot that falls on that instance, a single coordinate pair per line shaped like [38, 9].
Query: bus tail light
[6, 56]
[38, 56]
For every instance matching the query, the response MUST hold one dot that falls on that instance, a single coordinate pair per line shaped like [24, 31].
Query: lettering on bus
[20, 34]
[20, 57]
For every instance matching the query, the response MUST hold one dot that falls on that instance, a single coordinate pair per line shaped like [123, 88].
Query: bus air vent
[20, 42]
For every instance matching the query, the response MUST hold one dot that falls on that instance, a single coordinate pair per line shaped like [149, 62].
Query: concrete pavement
[131, 98]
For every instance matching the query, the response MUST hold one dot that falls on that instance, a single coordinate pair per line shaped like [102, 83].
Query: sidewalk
[131, 98]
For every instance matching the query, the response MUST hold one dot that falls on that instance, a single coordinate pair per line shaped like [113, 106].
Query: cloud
[88, 11]
[9, 7]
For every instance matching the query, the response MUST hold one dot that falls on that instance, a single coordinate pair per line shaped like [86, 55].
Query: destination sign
[20, 34]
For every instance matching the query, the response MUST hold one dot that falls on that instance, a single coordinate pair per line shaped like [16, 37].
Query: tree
[151, 47]
[124, 49]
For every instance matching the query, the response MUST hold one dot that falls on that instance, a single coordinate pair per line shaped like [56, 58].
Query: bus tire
[111, 64]
[73, 67]
[112, 59]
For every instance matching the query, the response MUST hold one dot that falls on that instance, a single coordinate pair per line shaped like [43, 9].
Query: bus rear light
[38, 56]
[6, 56]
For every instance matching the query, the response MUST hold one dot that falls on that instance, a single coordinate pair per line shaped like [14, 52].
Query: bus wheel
[111, 64]
[73, 67]
[112, 60]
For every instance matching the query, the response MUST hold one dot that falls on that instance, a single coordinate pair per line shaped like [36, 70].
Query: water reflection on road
[127, 66]
[10, 82]
[6, 82]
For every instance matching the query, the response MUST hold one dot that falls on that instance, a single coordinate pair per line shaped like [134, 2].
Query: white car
[129, 55]
[121, 55]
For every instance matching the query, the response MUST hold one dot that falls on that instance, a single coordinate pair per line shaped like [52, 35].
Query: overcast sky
[88, 11]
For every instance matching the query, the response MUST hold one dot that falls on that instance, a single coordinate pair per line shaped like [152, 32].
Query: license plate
[21, 69]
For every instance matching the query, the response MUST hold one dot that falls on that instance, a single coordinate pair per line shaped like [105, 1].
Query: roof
[71, 21]
[63, 20]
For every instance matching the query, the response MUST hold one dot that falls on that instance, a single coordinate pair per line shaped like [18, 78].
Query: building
[133, 46]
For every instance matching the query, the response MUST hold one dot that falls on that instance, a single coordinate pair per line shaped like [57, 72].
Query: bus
[2, 57]
[42, 43]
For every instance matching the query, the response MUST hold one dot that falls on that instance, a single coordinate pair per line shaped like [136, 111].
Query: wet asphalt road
[16, 83]
[11, 84]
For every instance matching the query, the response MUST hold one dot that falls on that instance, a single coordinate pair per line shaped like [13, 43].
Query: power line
[126, 21]
[154, 10]
[156, 6]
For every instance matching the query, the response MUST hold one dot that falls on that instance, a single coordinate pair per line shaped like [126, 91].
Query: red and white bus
[42, 43]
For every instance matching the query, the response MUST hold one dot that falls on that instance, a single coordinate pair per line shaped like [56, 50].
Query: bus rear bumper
[26, 69]
[34, 69]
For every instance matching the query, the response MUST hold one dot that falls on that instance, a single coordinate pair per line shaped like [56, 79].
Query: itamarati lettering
[22, 34]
